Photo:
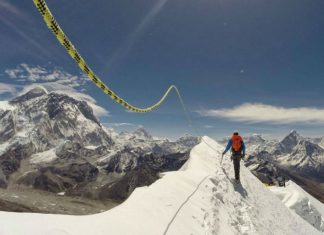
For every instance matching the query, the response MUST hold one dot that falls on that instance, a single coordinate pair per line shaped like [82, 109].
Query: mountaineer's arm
[229, 145]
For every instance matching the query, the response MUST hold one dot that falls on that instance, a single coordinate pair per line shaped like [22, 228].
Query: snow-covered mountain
[289, 142]
[200, 198]
[295, 157]
[294, 151]
[254, 139]
[53, 142]
[41, 122]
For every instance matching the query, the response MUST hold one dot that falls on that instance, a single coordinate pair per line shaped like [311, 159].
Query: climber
[238, 152]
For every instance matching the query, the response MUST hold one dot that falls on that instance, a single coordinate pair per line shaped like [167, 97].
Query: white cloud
[98, 110]
[27, 73]
[8, 89]
[262, 113]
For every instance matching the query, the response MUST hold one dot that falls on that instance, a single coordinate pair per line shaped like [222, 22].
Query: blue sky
[256, 66]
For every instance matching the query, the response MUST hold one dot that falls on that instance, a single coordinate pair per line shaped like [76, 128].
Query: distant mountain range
[53, 142]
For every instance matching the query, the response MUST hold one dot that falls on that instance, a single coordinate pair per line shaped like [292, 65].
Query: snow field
[4, 105]
[46, 156]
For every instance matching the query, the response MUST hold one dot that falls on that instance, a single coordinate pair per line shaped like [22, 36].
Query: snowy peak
[55, 104]
[254, 139]
[188, 141]
[59, 105]
[141, 133]
[33, 93]
[290, 141]
[143, 140]
[46, 119]
[293, 137]
[301, 152]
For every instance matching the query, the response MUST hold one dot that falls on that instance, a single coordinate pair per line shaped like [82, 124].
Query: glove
[242, 155]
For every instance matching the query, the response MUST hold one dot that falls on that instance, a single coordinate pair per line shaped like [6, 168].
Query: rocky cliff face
[53, 142]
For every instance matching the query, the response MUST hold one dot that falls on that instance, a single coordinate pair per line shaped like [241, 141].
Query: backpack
[237, 143]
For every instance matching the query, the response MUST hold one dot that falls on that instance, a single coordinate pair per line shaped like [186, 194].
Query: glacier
[200, 198]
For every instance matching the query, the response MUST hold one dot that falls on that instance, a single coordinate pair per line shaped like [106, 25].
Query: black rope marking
[54, 27]
[182, 205]
[86, 69]
[77, 58]
[66, 44]
[41, 8]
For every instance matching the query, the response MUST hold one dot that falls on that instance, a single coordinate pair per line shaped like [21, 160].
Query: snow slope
[198, 199]
[306, 206]
[4, 105]
[46, 156]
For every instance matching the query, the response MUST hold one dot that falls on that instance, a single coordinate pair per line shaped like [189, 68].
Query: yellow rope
[63, 39]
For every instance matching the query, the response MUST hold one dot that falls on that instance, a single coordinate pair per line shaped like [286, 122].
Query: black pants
[236, 162]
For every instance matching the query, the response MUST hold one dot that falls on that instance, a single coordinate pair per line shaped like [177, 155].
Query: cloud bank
[26, 77]
[27, 73]
[262, 113]
[7, 89]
